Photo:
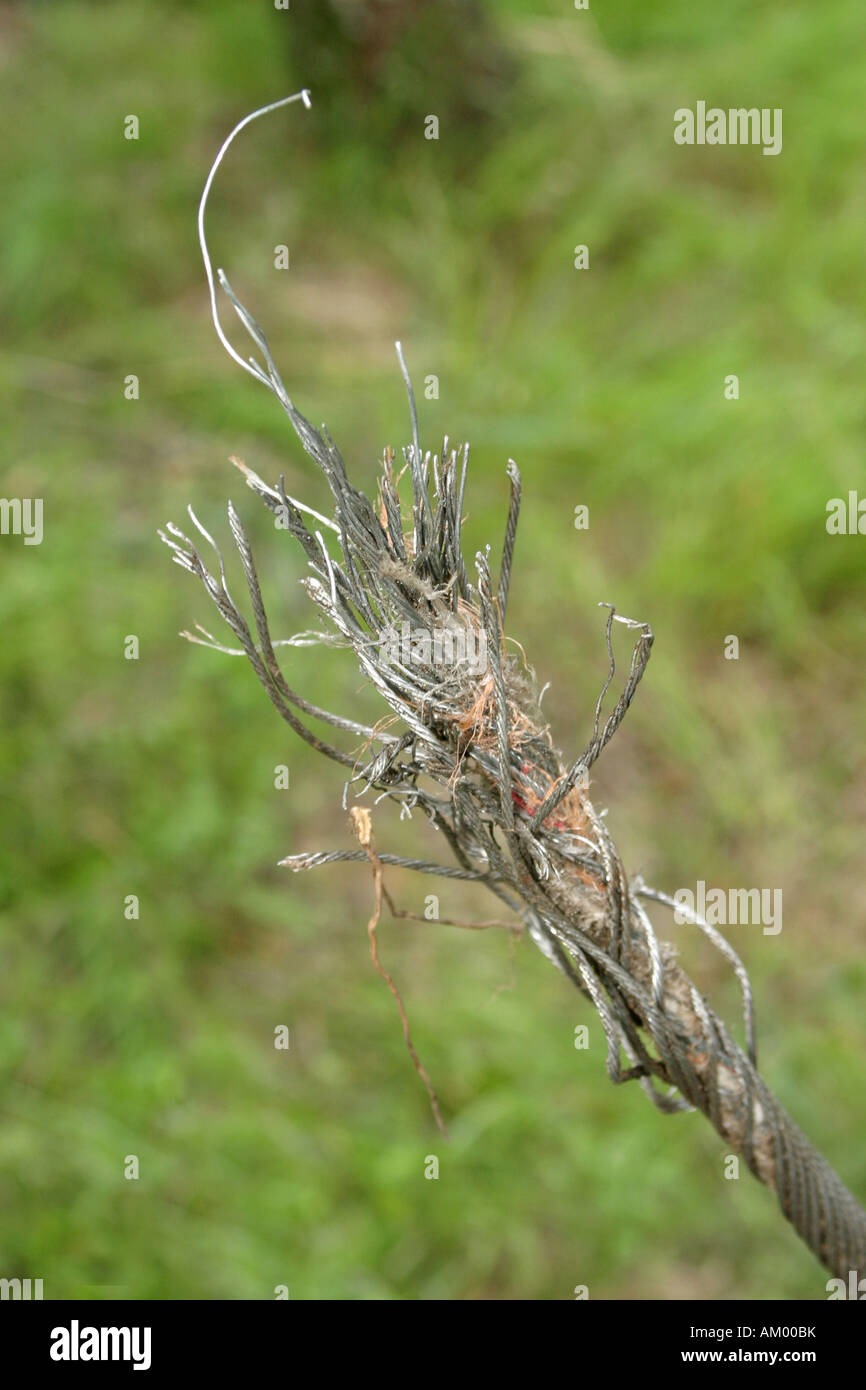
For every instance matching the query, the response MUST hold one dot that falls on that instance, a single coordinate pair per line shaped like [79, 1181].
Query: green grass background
[155, 777]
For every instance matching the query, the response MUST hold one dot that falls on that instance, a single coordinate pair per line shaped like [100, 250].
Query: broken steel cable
[467, 745]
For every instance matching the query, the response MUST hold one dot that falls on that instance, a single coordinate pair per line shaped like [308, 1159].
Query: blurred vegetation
[156, 777]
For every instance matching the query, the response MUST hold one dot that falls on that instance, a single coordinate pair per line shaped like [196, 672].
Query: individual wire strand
[248, 366]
